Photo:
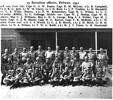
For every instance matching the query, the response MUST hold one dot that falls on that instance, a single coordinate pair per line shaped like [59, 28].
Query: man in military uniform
[76, 66]
[49, 59]
[74, 57]
[38, 71]
[19, 64]
[100, 73]
[17, 78]
[102, 59]
[67, 63]
[82, 54]
[55, 77]
[66, 53]
[47, 70]
[59, 53]
[4, 61]
[87, 71]
[40, 53]
[57, 64]
[77, 74]
[24, 55]
[29, 66]
[9, 78]
[10, 65]
[31, 54]
[5, 56]
[92, 58]
[15, 56]
[66, 76]
[49, 53]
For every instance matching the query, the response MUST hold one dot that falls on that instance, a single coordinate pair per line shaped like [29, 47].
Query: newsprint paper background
[32, 24]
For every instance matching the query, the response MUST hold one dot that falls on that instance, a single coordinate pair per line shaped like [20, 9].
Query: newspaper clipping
[56, 49]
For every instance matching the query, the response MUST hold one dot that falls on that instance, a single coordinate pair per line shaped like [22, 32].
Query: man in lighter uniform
[82, 54]
[5, 56]
[40, 52]
[49, 53]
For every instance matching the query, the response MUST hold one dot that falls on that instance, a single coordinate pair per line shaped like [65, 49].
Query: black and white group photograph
[56, 63]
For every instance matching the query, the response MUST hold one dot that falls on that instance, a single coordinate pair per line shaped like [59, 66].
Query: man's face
[49, 48]
[24, 49]
[56, 70]
[90, 50]
[73, 48]
[67, 59]
[81, 48]
[6, 51]
[47, 60]
[31, 48]
[66, 69]
[101, 50]
[86, 59]
[56, 60]
[66, 48]
[15, 50]
[28, 60]
[39, 47]
[9, 60]
[57, 47]
[37, 59]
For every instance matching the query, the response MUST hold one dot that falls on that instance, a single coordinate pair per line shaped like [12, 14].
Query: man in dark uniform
[55, 77]
[5, 56]
[102, 65]
[29, 66]
[66, 53]
[67, 63]
[15, 56]
[47, 70]
[4, 61]
[76, 66]
[74, 56]
[59, 53]
[24, 55]
[66, 76]
[38, 71]
[92, 58]
[56, 71]
[9, 78]
[40, 53]
[17, 78]
[57, 64]
[31, 54]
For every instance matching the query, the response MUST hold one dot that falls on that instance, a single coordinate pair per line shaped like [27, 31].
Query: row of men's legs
[62, 82]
